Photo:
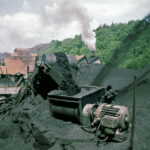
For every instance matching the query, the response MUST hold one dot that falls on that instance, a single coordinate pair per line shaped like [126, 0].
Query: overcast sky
[25, 23]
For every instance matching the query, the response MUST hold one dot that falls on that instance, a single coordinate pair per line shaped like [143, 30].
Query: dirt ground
[30, 126]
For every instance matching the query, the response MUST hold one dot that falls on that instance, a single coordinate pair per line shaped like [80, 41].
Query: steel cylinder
[51, 59]
[65, 113]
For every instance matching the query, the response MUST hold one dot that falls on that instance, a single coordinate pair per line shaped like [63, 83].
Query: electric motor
[111, 120]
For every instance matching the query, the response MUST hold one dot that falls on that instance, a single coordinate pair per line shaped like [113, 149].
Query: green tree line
[125, 45]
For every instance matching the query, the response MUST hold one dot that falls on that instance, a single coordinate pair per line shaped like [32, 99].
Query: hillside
[123, 45]
[71, 46]
[128, 46]
[42, 47]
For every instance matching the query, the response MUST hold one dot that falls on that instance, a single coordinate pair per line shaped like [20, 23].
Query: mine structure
[54, 79]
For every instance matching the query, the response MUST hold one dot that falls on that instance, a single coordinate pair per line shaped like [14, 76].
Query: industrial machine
[70, 108]
[111, 121]
[53, 78]
[55, 71]
[108, 121]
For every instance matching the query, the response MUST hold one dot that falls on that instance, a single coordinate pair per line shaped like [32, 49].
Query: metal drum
[51, 60]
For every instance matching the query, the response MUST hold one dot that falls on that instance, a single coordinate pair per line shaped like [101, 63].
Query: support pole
[133, 116]
[7, 76]
[27, 72]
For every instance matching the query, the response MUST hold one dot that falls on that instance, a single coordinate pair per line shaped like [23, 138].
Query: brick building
[24, 55]
[18, 61]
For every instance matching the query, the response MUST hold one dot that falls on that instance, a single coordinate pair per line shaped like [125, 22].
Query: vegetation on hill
[71, 46]
[123, 45]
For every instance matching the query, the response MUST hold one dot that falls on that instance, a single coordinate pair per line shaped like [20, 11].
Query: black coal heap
[30, 126]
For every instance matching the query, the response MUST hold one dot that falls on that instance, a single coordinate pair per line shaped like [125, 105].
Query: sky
[25, 23]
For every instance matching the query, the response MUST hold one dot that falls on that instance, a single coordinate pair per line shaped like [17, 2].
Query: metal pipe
[133, 116]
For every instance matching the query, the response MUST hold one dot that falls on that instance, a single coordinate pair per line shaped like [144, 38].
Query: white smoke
[65, 12]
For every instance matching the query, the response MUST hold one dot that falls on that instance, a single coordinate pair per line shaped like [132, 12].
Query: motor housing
[111, 120]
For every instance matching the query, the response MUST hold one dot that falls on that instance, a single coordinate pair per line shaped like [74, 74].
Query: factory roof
[13, 67]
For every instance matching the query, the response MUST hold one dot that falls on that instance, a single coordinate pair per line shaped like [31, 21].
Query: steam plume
[66, 12]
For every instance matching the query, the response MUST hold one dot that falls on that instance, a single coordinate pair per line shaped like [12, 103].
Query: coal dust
[29, 125]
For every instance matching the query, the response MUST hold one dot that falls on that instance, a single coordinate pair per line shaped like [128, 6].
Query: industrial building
[18, 61]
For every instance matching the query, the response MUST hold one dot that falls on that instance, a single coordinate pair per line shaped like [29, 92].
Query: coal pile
[43, 83]
[30, 126]
[62, 65]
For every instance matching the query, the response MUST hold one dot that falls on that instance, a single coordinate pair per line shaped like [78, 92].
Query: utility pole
[133, 116]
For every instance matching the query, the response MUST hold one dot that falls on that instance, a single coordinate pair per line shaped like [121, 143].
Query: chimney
[92, 53]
